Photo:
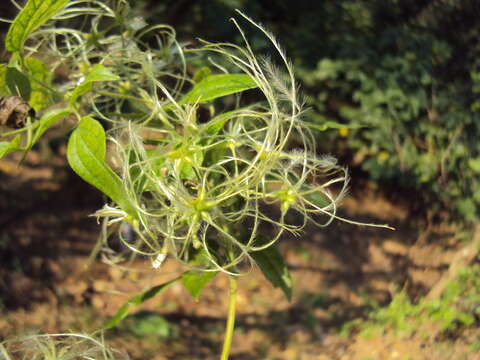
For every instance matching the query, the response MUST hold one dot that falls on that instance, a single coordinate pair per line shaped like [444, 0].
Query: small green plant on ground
[197, 171]
[459, 305]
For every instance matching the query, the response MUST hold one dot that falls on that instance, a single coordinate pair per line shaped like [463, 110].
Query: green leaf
[186, 169]
[6, 147]
[145, 323]
[3, 81]
[215, 86]
[101, 73]
[46, 121]
[195, 281]
[98, 73]
[31, 17]
[18, 83]
[474, 165]
[216, 124]
[274, 268]
[41, 80]
[86, 156]
[318, 199]
[137, 300]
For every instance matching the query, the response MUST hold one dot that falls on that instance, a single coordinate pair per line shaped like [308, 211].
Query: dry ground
[46, 237]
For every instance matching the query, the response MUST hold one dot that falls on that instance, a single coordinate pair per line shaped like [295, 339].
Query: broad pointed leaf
[31, 17]
[98, 73]
[216, 124]
[215, 86]
[46, 121]
[40, 81]
[195, 281]
[137, 300]
[274, 268]
[3, 81]
[86, 156]
[315, 197]
[6, 147]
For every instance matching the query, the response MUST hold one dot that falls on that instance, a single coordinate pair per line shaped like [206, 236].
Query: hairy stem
[231, 318]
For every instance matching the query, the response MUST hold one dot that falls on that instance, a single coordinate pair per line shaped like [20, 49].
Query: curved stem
[231, 318]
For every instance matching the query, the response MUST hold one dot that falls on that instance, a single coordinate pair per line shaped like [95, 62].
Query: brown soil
[46, 238]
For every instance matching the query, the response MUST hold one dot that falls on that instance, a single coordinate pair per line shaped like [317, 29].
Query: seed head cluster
[221, 178]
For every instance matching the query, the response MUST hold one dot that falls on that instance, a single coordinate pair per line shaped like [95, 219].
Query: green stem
[231, 318]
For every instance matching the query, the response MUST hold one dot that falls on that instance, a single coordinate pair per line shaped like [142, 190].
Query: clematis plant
[209, 167]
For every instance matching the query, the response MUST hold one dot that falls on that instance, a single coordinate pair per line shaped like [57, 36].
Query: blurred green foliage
[145, 323]
[406, 71]
[458, 306]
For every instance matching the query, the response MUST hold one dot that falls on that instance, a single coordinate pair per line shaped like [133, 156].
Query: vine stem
[231, 318]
